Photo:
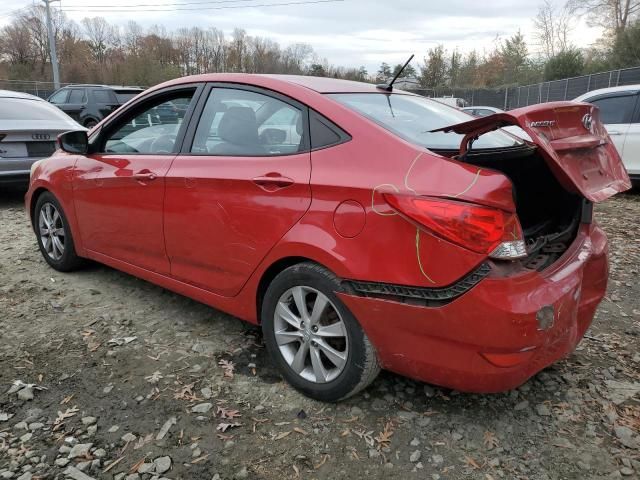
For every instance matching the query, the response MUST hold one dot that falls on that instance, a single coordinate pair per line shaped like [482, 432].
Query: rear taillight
[481, 229]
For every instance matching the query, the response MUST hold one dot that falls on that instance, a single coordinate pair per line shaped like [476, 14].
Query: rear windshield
[126, 95]
[412, 118]
[27, 109]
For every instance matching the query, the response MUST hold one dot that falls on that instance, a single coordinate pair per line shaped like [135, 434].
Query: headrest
[239, 126]
[299, 128]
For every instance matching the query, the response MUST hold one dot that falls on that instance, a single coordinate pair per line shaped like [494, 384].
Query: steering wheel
[163, 144]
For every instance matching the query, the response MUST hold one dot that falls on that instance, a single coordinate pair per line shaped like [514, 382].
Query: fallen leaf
[223, 427]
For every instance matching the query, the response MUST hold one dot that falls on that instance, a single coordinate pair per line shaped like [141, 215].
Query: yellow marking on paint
[475, 179]
[406, 175]
[373, 192]
[418, 256]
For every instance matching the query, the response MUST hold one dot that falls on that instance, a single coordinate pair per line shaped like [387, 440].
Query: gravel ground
[103, 375]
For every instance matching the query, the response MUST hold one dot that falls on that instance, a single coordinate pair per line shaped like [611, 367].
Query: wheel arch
[272, 272]
[34, 200]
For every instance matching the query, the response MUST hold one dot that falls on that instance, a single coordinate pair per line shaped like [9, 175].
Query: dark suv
[88, 104]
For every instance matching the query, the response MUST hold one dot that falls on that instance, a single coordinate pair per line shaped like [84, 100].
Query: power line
[170, 4]
[102, 9]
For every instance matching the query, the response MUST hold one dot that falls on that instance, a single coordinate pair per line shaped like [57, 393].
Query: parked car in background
[28, 130]
[451, 101]
[620, 113]
[88, 104]
[357, 243]
[485, 111]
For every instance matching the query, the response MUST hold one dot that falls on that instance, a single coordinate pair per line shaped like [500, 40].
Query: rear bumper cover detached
[501, 332]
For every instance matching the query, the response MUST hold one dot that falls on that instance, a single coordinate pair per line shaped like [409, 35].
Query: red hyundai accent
[361, 228]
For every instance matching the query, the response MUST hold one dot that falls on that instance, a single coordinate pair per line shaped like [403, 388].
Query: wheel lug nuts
[314, 328]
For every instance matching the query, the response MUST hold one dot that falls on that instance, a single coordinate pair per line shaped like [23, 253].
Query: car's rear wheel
[54, 235]
[313, 338]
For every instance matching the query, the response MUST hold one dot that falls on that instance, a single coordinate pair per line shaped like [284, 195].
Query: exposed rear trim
[419, 295]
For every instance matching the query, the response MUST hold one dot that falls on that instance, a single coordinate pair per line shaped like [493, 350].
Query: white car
[28, 129]
[620, 113]
[484, 111]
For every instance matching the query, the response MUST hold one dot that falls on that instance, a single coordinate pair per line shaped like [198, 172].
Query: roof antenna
[389, 86]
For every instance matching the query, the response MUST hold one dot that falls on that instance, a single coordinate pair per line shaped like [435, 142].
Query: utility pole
[52, 46]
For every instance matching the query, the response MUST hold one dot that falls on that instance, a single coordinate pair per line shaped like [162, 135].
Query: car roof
[601, 91]
[12, 94]
[317, 84]
[112, 87]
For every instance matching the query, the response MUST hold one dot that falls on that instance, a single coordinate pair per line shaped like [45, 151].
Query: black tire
[68, 260]
[361, 366]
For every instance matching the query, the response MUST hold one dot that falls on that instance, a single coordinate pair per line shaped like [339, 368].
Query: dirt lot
[132, 381]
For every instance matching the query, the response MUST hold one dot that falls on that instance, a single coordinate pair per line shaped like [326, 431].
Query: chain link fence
[508, 98]
[34, 87]
[505, 98]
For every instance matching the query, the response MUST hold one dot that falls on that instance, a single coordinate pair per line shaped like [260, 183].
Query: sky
[347, 32]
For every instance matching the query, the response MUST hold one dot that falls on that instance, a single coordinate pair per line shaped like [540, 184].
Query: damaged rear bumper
[502, 331]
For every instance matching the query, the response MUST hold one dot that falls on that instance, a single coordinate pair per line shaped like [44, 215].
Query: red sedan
[361, 228]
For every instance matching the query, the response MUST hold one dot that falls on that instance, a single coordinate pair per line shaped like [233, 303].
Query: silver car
[28, 129]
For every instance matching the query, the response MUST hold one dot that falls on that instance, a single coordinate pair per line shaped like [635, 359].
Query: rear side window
[123, 96]
[77, 96]
[617, 109]
[102, 96]
[59, 97]
[244, 123]
[325, 133]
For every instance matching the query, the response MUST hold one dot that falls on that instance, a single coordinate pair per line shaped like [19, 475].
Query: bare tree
[614, 15]
[552, 28]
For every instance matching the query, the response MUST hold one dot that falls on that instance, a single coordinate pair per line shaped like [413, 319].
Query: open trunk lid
[570, 137]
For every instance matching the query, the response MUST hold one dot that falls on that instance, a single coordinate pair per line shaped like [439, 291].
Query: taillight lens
[481, 229]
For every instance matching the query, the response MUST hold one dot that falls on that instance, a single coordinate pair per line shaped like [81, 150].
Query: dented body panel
[346, 225]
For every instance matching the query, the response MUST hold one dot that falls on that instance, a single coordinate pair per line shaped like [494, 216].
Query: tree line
[549, 56]
[94, 50]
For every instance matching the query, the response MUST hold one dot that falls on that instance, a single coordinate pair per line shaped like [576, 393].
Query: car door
[616, 112]
[119, 188]
[631, 156]
[236, 188]
[75, 103]
[104, 100]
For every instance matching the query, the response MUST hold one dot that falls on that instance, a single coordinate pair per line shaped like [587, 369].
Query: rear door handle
[273, 181]
[145, 175]
[614, 132]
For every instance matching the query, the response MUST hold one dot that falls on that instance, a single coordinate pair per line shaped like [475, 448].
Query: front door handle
[614, 132]
[145, 175]
[273, 181]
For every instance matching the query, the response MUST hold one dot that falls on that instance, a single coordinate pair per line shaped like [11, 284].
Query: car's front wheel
[54, 235]
[313, 338]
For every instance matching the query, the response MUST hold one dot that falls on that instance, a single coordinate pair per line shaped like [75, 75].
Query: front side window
[152, 129]
[412, 118]
[617, 109]
[243, 123]
[77, 96]
[59, 97]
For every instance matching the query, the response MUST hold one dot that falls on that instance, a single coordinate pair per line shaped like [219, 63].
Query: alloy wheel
[51, 230]
[311, 334]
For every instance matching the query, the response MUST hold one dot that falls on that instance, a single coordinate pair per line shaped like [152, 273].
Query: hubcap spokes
[51, 231]
[311, 334]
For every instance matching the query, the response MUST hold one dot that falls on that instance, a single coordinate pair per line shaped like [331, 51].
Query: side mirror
[74, 142]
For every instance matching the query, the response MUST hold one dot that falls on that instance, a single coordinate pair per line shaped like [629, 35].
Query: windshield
[412, 118]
